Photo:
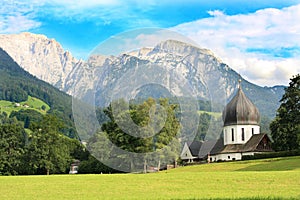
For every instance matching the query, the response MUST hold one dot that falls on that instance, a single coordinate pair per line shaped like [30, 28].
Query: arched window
[243, 134]
[232, 134]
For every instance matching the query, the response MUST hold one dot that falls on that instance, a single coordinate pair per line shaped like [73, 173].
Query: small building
[197, 150]
[190, 151]
[74, 167]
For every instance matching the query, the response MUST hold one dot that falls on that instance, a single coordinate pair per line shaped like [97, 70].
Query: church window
[243, 134]
[232, 134]
[252, 131]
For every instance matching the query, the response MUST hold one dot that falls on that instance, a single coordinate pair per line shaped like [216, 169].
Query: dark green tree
[147, 116]
[12, 143]
[285, 129]
[48, 152]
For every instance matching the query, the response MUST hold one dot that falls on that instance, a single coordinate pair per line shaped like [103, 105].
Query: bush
[272, 155]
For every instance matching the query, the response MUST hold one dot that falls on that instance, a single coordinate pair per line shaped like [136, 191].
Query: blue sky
[259, 39]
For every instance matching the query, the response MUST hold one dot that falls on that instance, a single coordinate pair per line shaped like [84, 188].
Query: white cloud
[17, 16]
[267, 33]
[215, 13]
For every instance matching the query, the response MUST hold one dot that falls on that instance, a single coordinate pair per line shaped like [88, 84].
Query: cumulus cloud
[263, 46]
[17, 16]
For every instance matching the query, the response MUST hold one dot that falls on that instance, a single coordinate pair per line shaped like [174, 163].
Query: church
[241, 134]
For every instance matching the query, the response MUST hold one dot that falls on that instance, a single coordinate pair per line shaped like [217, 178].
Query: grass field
[263, 179]
[32, 103]
[214, 114]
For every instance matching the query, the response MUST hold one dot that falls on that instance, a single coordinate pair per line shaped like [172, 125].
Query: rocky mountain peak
[43, 57]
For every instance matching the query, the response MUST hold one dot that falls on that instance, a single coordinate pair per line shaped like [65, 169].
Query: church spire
[240, 110]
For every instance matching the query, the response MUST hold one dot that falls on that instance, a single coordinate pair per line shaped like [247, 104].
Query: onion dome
[240, 111]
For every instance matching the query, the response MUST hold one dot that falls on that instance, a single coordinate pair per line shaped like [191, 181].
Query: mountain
[43, 57]
[173, 62]
[16, 85]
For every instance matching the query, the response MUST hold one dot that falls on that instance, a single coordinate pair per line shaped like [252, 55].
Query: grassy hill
[31, 103]
[260, 179]
[214, 114]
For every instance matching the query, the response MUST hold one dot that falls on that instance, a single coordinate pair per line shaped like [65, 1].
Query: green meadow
[261, 179]
[31, 103]
[214, 114]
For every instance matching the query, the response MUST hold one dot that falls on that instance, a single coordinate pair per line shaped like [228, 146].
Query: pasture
[31, 103]
[277, 178]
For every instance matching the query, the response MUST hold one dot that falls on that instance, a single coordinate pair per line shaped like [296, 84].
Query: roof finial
[240, 83]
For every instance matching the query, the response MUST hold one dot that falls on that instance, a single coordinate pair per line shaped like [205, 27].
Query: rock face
[99, 76]
[43, 57]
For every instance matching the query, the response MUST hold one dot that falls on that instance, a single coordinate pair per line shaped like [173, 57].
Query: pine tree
[285, 128]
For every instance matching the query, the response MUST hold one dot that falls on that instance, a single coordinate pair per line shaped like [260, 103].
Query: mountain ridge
[43, 57]
[206, 73]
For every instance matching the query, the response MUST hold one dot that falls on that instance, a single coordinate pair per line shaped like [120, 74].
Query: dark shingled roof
[254, 141]
[240, 110]
[250, 146]
[195, 147]
[219, 146]
[206, 148]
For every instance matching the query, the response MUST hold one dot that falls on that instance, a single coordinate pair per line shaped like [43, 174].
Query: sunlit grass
[31, 103]
[235, 180]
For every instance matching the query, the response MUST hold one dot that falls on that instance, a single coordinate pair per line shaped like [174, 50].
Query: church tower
[241, 119]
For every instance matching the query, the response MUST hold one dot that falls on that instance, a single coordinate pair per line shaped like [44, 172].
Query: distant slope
[31, 103]
[16, 85]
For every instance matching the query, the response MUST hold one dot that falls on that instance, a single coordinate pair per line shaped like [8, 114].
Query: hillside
[16, 85]
[30, 104]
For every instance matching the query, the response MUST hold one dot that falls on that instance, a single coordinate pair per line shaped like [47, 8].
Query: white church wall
[237, 133]
[225, 157]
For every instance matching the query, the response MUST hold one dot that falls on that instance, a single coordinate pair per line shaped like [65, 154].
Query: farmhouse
[241, 134]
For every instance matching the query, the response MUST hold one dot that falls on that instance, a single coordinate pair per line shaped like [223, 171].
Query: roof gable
[258, 142]
[186, 153]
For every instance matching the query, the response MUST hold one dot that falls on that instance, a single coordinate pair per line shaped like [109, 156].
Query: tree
[48, 150]
[285, 129]
[12, 142]
[147, 117]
